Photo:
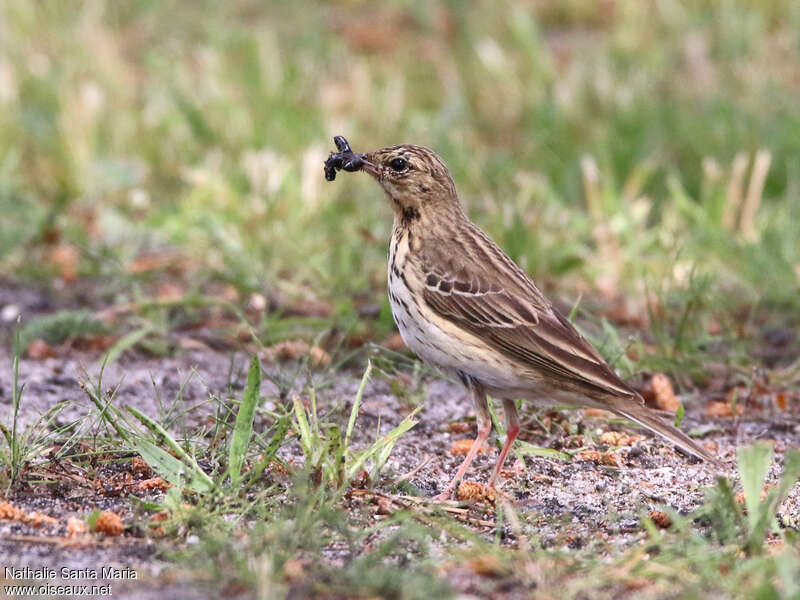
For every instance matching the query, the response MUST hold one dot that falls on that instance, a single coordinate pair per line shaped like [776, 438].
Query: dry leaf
[595, 456]
[109, 523]
[37, 519]
[461, 448]
[9, 512]
[318, 357]
[474, 491]
[373, 31]
[611, 459]
[459, 427]
[157, 261]
[485, 566]
[588, 456]
[65, 258]
[636, 583]
[39, 350]
[310, 307]
[598, 413]
[288, 350]
[75, 526]
[140, 467]
[660, 518]
[293, 569]
[664, 394]
[384, 506]
[721, 408]
[154, 483]
[361, 480]
[617, 438]
[714, 327]
[394, 342]
[169, 290]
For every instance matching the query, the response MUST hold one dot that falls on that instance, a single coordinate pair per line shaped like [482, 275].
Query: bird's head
[414, 177]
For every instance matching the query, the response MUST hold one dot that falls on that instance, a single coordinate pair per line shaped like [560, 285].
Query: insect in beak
[344, 160]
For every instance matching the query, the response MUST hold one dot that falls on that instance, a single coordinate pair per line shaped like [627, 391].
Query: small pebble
[635, 451]
[9, 313]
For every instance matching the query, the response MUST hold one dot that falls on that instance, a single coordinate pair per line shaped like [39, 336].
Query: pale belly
[431, 337]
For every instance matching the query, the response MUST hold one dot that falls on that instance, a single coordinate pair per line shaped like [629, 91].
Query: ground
[163, 208]
[562, 505]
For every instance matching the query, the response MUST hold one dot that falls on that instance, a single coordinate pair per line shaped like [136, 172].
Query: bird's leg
[512, 430]
[484, 429]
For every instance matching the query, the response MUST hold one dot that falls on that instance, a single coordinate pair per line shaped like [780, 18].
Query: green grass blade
[243, 428]
[379, 448]
[754, 463]
[769, 507]
[109, 413]
[356, 403]
[275, 442]
[170, 468]
[791, 474]
[163, 435]
[126, 341]
[303, 428]
[7, 435]
[527, 449]
[679, 416]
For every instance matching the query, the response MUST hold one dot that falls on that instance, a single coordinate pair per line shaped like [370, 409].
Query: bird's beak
[368, 165]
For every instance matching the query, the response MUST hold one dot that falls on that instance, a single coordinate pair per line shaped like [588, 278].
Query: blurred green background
[620, 147]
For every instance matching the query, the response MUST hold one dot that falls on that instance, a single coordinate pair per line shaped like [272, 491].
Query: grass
[24, 444]
[651, 167]
[215, 153]
[271, 529]
[160, 168]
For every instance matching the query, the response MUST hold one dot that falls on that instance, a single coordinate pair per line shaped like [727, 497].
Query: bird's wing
[485, 293]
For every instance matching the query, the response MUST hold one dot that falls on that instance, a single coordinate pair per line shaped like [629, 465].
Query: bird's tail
[644, 417]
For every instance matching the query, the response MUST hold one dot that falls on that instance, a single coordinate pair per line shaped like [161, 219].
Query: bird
[464, 306]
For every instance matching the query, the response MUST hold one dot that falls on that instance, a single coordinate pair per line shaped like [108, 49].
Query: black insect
[345, 159]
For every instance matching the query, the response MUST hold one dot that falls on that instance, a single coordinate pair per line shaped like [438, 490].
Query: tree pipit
[463, 306]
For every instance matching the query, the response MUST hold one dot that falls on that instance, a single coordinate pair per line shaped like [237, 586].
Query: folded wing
[484, 292]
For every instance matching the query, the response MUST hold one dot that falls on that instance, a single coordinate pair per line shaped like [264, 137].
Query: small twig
[515, 525]
[421, 506]
[755, 190]
[70, 541]
[591, 186]
[414, 471]
[733, 197]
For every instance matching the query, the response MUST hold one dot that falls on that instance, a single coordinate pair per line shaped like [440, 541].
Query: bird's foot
[443, 497]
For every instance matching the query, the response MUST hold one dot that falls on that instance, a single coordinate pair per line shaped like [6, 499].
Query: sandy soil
[563, 504]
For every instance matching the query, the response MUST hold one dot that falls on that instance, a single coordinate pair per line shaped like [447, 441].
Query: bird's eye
[398, 164]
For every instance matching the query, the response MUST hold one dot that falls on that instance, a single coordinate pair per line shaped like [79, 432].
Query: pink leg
[512, 430]
[484, 429]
